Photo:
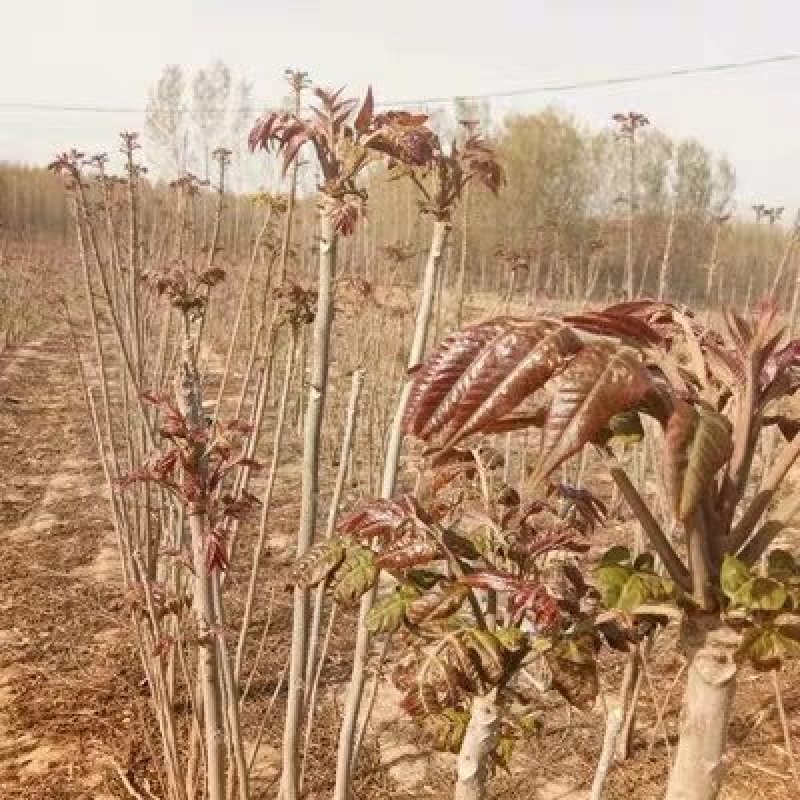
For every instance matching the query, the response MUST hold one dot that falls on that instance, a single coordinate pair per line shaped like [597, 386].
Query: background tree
[166, 120]
[628, 124]
[211, 91]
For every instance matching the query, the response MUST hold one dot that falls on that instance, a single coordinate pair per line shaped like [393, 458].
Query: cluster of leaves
[295, 304]
[70, 164]
[766, 607]
[628, 584]
[198, 483]
[513, 259]
[590, 379]
[274, 201]
[345, 139]
[185, 287]
[586, 377]
[483, 586]
[441, 181]
[482, 379]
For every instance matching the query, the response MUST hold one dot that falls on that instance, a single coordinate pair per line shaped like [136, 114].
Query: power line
[617, 81]
[642, 77]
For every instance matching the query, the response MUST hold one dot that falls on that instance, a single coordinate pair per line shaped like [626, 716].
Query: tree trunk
[462, 266]
[662, 275]
[628, 699]
[629, 280]
[346, 757]
[614, 722]
[710, 691]
[309, 497]
[479, 741]
[190, 404]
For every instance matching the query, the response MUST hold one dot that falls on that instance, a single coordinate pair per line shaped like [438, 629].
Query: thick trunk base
[711, 687]
[479, 741]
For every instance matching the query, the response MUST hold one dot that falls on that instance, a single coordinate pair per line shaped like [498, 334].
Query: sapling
[464, 661]
[345, 139]
[628, 125]
[440, 183]
[715, 394]
[192, 469]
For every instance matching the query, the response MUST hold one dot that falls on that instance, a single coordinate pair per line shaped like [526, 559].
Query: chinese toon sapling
[483, 589]
[715, 395]
[440, 185]
[346, 138]
[191, 470]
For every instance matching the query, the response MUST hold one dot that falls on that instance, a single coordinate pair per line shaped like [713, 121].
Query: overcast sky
[108, 52]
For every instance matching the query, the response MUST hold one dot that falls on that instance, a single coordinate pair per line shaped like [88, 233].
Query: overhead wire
[551, 88]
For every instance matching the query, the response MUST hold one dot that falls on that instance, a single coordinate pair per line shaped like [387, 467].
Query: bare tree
[165, 120]
[211, 90]
[628, 125]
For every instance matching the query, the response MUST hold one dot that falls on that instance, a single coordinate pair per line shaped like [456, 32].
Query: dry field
[265, 536]
[75, 720]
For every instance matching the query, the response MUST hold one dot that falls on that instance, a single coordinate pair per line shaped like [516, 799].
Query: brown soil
[73, 711]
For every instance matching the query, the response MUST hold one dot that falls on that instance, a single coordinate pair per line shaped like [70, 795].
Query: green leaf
[512, 638]
[761, 594]
[447, 729]
[389, 612]
[698, 443]
[530, 722]
[616, 555]
[356, 575]
[610, 580]
[576, 649]
[766, 647]
[625, 428]
[503, 751]
[541, 644]
[644, 562]
[642, 588]
[781, 565]
[634, 593]
[733, 574]
[423, 578]
[488, 654]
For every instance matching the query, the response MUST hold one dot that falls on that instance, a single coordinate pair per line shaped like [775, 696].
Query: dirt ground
[74, 713]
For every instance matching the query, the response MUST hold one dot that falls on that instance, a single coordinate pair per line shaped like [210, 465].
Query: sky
[107, 53]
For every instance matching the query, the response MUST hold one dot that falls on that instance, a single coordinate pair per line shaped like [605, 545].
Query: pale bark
[346, 756]
[479, 741]
[333, 511]
[614, 721]
[711, 687]
[317, 391]
[628, 698]
[662, 275]
[208, 665]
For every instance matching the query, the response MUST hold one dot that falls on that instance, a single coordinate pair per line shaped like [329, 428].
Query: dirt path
[66, 699]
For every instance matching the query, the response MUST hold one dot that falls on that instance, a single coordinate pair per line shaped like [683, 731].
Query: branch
[743, 445]
[772, 480]
[672, 562]
[420, 187]
[438, 535]
[764, 536]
